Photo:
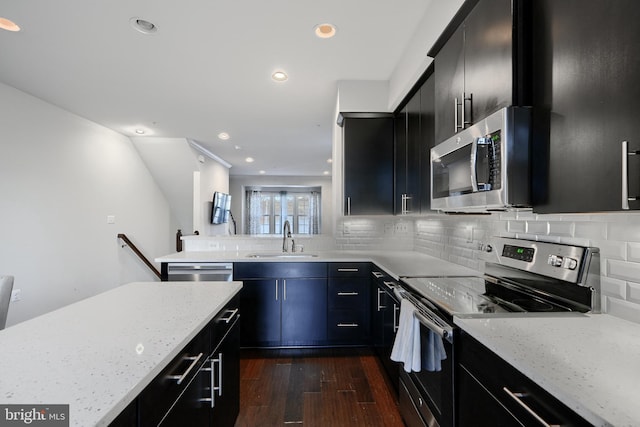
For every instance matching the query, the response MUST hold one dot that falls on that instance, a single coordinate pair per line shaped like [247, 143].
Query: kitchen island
[99, 354]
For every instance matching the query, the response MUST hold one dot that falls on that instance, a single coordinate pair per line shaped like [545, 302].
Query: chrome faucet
[286, 234]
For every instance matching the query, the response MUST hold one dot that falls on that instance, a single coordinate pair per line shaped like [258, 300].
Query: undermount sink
[281, 255]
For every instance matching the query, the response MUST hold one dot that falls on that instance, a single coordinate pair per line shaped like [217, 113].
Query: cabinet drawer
[158, 397]
[263, 270]
[223, 321]
[511, 388]
[348, 326]
[348, 293]
[349, 269]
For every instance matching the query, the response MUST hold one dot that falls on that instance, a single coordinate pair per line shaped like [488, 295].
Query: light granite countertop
[98, 354]
[589, 362]
[395, 263]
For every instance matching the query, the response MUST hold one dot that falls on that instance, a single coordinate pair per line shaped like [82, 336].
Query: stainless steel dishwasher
[199, 271]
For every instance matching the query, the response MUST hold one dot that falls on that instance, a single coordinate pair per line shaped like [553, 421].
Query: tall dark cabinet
[587, 59]
[414, 138]
[368, 163]
[481, 64]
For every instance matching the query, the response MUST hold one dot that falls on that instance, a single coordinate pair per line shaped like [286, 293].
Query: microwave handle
[474, 165]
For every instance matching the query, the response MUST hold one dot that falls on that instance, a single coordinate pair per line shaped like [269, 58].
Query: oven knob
[420, 402]
[554, 261]
[570, 263]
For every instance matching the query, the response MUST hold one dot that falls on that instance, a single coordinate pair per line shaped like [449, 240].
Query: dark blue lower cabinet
[284, 312]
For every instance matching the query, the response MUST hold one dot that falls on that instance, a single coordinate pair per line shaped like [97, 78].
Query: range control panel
[556, 260]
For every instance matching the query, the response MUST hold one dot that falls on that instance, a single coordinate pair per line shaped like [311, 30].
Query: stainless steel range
[525, 276]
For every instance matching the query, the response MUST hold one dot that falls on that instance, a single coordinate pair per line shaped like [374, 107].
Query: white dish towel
[406, 347]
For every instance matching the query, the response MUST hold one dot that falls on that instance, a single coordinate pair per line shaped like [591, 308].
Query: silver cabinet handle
[405, 204]
[228, 319]
[276, 289]
[219, 387]
[348, 206]
[347, 294]
[377, 274]
[455, 115]
[348, 270]
[625, 174]
[380, 306]
[182, 377]
[464, 122]
[517, 397]
[284, 290]
[395, 317]
[347, 325]
[390, 284]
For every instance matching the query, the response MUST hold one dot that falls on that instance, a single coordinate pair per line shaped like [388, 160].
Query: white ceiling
[208, 68]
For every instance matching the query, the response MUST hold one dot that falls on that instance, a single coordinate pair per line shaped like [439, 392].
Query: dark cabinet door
[368, 165]
[427, 140]
[414, 146]
[588, 87]
[226, 379]
[449, 76]
[260, 305]
[478, 407]
[191, 408]
[304, 311]
[488, 53]
[400, 160]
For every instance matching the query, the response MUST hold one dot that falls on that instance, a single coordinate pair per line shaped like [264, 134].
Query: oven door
[436, 387]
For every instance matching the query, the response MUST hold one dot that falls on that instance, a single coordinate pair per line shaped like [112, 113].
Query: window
[267, 206]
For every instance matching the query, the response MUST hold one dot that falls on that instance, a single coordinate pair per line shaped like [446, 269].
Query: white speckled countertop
[589, 362]
[98, 354]
[395, 263]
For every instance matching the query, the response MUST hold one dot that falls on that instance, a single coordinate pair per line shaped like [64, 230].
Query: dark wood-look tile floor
[324, 388]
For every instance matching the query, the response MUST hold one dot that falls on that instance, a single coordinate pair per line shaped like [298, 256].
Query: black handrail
[140, 254]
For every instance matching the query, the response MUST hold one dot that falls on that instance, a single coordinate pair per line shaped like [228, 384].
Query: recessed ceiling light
[140, 131]
[329, 160]
[325, 31]
[249, 160]
[223, 136]
[237, 147]
[9, 25]
[279, 76]
[143, 25]
[326, 172]
[262, 172]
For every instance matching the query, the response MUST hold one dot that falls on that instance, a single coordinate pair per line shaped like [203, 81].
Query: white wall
[414, 60]
[60, 177]
[213, 177]
[172, 163]
[237, 184]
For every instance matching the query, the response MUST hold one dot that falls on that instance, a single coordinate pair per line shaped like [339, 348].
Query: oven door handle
[444, 333]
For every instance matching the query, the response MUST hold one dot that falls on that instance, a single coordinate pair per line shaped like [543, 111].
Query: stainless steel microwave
[485, 166]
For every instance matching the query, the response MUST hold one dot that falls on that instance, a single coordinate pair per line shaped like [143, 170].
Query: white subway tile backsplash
[613, 287]
[624, 231]
[610, 249]
[515, 226]
[623, 270]
[633, 252]
[591, 230]
[537, 227]
[560, 228]
[623, 309]
[633, 292]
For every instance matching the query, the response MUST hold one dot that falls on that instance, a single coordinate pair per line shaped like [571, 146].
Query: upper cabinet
[587, 63]
[367, 162]
[414, 138]
[480, 64]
